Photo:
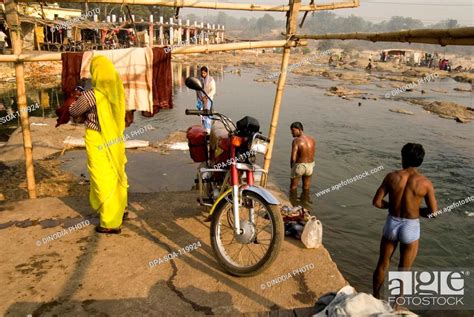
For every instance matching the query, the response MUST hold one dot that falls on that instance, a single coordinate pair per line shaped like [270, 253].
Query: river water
[351, 139]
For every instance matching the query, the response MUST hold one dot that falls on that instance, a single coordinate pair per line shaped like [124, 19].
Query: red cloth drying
[71, 72]
[162, 85]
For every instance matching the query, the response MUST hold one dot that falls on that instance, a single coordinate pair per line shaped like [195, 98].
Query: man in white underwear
[302, 158]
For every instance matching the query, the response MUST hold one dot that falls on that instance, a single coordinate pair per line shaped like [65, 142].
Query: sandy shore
[82, 273]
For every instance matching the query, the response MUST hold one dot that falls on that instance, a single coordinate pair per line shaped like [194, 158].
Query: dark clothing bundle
[162, 82]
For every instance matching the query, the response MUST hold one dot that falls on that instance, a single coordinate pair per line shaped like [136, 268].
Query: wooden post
[180, 32]
[214, 33]
[201, 38]
[187, 32]
[151, 32]
[171, 32]
[195, 34]
[15, 33]
[180, 76]
[161, 33]
[291, 24]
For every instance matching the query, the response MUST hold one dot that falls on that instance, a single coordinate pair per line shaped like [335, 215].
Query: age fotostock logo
[441, 289]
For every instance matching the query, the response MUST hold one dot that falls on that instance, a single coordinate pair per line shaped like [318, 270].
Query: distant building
[404, 56]
[51, 11]
[32, 10]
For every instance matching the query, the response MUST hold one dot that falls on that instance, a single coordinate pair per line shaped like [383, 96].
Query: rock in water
[462, 120]
[403, 111]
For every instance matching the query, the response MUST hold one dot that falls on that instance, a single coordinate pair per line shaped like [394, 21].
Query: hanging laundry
[76, 34]
[162, 82]
[135, 68]
[39, 36]
[71, 71]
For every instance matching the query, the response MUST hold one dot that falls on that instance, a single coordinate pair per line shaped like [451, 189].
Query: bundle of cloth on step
[301, 225]
[347, 302]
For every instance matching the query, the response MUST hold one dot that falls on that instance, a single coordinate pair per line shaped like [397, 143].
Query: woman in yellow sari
[104, 111]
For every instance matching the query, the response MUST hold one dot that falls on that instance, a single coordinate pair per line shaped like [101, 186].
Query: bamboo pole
[151, 32]
[443, 37]
[221, 6]
[202, 35]
[291, 23]
[49, 57]
[187, 32]
[161, 32]
[171, 32]
[15, 33]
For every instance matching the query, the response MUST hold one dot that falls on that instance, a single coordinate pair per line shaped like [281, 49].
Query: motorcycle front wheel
[253, 251]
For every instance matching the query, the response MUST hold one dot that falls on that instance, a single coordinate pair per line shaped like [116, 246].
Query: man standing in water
[405, 188]
[302, 158]
[203, 103]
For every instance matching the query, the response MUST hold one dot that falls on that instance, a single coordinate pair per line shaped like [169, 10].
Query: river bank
[83, 273]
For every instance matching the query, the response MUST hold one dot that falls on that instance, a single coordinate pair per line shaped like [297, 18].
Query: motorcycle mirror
[193, 83]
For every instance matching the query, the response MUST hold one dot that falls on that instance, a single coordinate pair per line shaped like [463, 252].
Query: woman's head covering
[107, 83]
[106, 79]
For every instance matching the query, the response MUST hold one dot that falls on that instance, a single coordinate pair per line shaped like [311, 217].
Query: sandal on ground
[100, 229]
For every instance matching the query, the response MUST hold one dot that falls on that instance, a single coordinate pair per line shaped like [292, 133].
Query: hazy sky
[429, 11]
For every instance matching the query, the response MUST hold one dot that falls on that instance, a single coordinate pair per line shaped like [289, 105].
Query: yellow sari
[106, 164]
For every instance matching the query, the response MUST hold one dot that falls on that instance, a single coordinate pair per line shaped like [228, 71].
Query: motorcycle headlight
[259, 146]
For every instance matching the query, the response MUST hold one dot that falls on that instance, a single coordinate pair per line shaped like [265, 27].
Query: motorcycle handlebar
[193, 112]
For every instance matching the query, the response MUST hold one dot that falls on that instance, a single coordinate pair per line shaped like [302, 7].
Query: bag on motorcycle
[247, 126]
[196, 136]
[312, 236]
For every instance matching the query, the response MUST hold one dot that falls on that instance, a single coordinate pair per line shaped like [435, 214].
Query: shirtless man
[405, 188]
[302, 157]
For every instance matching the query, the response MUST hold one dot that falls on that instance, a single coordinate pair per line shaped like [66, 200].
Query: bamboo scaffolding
[291, 25]
[443, 37]
[15, 33]
[221, 6]
[50, 57]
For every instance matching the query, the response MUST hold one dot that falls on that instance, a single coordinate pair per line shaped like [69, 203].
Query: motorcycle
[246, 224]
